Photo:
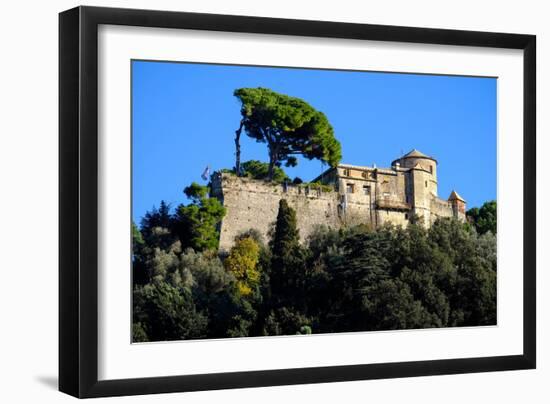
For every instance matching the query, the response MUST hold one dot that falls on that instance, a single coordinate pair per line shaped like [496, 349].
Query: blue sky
[185, 117]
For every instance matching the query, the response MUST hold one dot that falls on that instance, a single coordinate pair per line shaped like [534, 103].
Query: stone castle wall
[254, 204]
[440, 208]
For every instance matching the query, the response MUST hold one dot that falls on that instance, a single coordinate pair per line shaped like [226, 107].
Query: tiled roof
[455, 196]
[415, 153]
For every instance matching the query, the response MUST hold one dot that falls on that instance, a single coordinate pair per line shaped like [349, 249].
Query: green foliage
[138, 333]
[289, 126]
[190, 295]
[286, 321]
[140, 273]
[286, 236]
[471, 284]
[208, 273]
[137, 238]
[197, 223]
[317, 186]
[352, 279]
[254, 235]
[242, 264]
[288, 276]
[288, 257]
[165, 313]
[393, 278]
[484, 219]
[156, 225]
[156, 218]
[257, 170]
[365, 294]
[197, 193]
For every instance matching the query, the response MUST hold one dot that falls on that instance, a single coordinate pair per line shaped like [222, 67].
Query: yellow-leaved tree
[242, 263]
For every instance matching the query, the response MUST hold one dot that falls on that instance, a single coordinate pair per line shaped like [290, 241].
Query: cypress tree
[286, 237]
[288, 275]
[288, 262]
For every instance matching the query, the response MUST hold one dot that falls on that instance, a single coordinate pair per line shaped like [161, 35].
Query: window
[349, 188]
[364, 174]
[407, 198]
[431, 169]
[346, 172]
[426, 183]
[366, 190]
[406, 216]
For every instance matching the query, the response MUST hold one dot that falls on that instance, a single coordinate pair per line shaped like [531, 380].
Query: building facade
[397, 194]
[355, 195]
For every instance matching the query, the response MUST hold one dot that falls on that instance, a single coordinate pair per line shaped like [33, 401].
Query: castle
[349, 195]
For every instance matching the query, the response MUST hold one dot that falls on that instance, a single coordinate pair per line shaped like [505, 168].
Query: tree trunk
[273, 159]
[238, 149]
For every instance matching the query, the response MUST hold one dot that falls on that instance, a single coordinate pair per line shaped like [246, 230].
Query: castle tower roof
[456, 197]
[414, 154]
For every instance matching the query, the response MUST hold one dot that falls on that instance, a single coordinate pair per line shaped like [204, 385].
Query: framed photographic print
[251, 201]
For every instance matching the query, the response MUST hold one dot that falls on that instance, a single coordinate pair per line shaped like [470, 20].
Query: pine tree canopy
[289, 126]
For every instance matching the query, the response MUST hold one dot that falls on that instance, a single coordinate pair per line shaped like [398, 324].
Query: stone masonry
[358, 194]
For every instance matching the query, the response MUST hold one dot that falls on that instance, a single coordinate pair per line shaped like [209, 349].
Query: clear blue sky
[185, 116]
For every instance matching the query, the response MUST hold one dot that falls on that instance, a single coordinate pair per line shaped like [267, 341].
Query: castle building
[355, 195]
[396, 194]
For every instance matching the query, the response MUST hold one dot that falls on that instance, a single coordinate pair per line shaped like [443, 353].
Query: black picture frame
[78, 201]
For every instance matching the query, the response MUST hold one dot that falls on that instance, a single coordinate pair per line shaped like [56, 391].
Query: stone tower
[421, 184]
[458, 204]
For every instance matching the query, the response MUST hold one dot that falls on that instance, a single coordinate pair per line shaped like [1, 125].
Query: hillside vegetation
[353, 279]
